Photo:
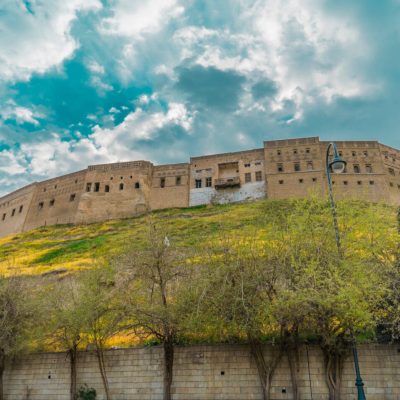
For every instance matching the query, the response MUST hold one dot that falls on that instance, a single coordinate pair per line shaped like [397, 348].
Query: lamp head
[337, 164]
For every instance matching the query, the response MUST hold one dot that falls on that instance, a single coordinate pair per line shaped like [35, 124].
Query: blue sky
[91, 81]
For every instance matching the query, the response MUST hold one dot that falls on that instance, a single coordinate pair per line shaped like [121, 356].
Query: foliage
[86, 393]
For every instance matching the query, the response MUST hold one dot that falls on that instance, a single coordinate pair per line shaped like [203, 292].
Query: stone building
[281, 169]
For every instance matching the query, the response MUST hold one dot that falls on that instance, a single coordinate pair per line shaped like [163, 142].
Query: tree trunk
[72, 353]
[2, 367]
[265, 371]
[333, 373]
[168, 368]
[292, 354]
[100, 359]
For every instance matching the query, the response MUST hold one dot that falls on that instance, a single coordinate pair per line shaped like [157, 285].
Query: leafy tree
[153, 279]
[16, 315]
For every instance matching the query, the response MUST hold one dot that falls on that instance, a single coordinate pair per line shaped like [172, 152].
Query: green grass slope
[72, 248]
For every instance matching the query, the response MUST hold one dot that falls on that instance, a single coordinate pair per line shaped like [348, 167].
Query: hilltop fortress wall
[281, 169]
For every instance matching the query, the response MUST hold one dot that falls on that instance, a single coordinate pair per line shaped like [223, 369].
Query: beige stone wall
[117, 190]
[55, 201]
[224, 372]
[169, 186]
[14, 209]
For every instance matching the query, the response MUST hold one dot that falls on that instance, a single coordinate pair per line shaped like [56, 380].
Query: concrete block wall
[216, 372]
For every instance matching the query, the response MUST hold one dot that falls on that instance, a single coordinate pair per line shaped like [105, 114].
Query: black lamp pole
[338, 165]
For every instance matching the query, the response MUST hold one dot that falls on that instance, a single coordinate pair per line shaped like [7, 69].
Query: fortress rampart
[281, 169]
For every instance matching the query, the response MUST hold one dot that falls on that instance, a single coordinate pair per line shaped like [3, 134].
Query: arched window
[356, 169]
[137, 185]
[121, 186]
[107, 188]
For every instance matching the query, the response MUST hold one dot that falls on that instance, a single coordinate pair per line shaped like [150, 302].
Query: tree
[16, 315]
[103, 313]
[153, 279]
[64, 320]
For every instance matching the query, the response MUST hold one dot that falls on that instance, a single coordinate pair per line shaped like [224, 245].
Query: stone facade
[281, 169]
[224, 372]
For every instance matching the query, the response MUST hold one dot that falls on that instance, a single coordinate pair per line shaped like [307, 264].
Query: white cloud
[37, 39]
[20, 114]
[134, 18]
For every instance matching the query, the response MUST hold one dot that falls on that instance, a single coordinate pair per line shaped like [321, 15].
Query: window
[391, 171]
[280, 167]
[178, 180]
[4, 216]
[197, 183]
[301, 180]
[13, 211]
[107, 188]
[40, 205]
[371, 182]
[111, 178]
[121, 177]
[21, 208]
[356, 169]
[359, 183]
[162, 182]
[121, 186]
[391, 184]
[137, 185]
[345, 183]
[310, 165]
[258, 176]
[247, 165]
[44, 189]
[278, 152]
[88, 187]
[297, 167]
[72, 197]
[368, 168]
[257, 163]
[307, 150]
[294, 151]
[76, 181]
[55, 186]
[340, 154]
[281, 182]
[314, 179]
[130, 177]
[247, 177]
[353, 153]
[208, 181]
[51, 203]
[365, 153]
[97, 186]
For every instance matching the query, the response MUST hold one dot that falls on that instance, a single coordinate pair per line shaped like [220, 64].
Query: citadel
[280, 169]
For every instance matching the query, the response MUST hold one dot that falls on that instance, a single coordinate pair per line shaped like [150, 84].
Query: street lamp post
[338, 165]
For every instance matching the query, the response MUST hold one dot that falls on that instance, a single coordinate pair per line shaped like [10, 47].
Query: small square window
[107, 188]
[297, 167]
[51, 203]
[137, 185]
[353, 153]
[247, 177]
[301, 180]
[208, 181]
[121, 177]
[162, 182]
[359, 183]
[280, 167]
[197, 183]
[40, 205]
[345, 183]
[371, 182]
[258, 176]
[391, 184]
[281, 182]
[365, 153]
[278, 152]
[314, 179]
[72, 197]
[178, 180]
[307, 150]
[294, 151]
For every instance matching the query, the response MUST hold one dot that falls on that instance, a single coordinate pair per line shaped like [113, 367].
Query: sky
[96, 81]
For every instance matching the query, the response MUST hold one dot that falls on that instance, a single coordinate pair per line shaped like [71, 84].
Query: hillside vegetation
[71, 248]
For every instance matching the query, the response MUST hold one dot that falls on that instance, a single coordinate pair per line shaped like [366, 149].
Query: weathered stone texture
[224, 372]
[289, 168]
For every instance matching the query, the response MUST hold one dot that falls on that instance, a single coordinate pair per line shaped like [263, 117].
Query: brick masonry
[217, 372]
[281, 169]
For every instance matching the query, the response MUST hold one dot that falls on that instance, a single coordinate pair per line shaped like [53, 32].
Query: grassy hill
[65, 248]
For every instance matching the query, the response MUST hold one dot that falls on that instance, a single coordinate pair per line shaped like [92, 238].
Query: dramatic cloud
[85, 82]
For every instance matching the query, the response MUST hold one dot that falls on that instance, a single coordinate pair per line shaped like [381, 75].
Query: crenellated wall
[282, 169]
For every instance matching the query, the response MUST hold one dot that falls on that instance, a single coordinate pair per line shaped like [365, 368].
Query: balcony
[223, 183]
